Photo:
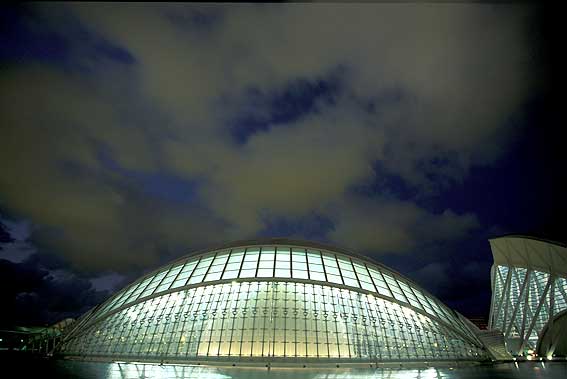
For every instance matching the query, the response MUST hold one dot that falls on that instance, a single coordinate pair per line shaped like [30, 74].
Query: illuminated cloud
[163, 128]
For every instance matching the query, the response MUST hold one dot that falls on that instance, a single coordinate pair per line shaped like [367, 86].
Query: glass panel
[334, 278]
[179, 282]
[313, 256]
[262, 272]
[174, 271]
[213, 276]
[251, 259]
[165, 283]
[237, 252]
[317, 275]
[236, 256]
[283, 254]
[266, 264]
[200, 271]
[300, 274]
[216, 268]
[328, 256]
[345, 264]
[196, 278]
[233, 266]
[348, 274]
[283, 265]
[282, 273]
[409, 294]
[221, 258]
[316, 267]
[381, 286]
[205, 261]
[332, 270]
[183, 275]
[249, 265]
[277, 319]
[359, 268]
[367, 286]
[230, 274]
[247, 273]
[363, 277]
[299, 266]
[350, 282]
[189, 267]
[252, 251]
[153, 284]
[298, 255]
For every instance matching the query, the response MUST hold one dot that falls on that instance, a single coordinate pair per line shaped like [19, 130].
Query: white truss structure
[529, 289]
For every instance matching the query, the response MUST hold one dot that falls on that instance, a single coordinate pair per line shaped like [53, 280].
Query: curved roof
[530, 252]
[283, 260]
[553, 336]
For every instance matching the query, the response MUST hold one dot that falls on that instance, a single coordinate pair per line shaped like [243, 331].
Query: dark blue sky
[133, 134]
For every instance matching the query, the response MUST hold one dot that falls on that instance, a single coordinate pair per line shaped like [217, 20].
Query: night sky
[133, 134]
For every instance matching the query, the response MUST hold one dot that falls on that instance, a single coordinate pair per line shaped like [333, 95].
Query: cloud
[458, 285]
[108, 282]
[16, 252]
[14, 246]
[5, 234]
[34, 294]
[290, 171]
[382, 226]
[424, 90]
[85, 210]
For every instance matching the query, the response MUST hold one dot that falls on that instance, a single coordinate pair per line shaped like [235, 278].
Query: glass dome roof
[277, 271]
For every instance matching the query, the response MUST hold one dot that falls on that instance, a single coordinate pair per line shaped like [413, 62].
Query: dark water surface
[93, 370]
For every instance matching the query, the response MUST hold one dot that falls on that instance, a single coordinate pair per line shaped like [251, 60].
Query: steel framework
[274, 300]
[529, 287]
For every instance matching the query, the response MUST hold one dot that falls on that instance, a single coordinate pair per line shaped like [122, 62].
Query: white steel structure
[529, 290]
[274, 301]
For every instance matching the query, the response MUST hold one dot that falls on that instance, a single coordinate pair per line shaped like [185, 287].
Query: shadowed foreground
[25, 367]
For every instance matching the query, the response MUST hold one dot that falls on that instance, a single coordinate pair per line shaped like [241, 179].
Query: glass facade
[523, 302]
[273, 302]
[529, 291]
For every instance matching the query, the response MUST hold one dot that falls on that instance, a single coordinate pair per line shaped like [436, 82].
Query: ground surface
[21, 367]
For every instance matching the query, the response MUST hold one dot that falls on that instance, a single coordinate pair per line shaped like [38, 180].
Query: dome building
[270, 302]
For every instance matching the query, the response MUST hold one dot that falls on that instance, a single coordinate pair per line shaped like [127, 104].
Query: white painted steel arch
[529, 287]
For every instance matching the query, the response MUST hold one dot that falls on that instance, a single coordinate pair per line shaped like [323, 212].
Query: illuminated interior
[278, 301]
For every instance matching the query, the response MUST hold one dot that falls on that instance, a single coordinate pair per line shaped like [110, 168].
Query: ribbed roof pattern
[285, 260]
[530, 252]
